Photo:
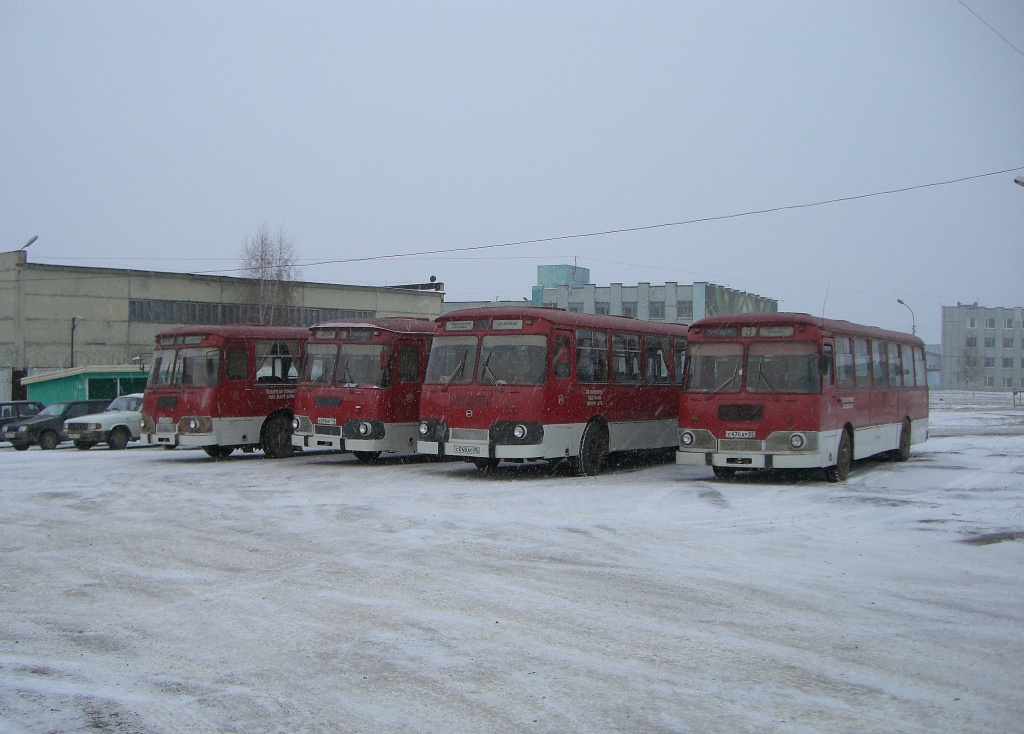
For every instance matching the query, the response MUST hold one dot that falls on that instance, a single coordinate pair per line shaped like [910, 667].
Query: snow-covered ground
[148, 591]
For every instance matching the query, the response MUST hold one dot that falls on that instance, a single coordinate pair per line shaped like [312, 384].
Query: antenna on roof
[828, 284]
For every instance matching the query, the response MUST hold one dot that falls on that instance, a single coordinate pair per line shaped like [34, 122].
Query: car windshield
[125, 403]
[54, 409]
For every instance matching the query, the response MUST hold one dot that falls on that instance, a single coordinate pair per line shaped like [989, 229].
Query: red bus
[790, 390]
[220, 388]
[361, 388]
[526, 384]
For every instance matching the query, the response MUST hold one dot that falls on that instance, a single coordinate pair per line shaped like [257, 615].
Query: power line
[987, 25]
[643, 228]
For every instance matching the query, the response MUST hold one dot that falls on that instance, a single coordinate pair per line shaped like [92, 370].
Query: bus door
[407, 374]
[277, 364]
[235, 393]
[562, 369]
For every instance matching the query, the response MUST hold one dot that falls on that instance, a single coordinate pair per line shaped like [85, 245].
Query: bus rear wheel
[593, 448]
[839, 471]
[903, 452]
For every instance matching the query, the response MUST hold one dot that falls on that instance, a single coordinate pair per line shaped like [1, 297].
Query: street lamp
[74, 322]
[1019, 180]
[913, 321]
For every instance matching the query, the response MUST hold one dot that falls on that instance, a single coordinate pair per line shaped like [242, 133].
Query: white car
[115, 426]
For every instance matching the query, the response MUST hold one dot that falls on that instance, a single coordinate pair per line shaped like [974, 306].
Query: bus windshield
[516, 359]
[362, 364]
[452, 360]
[163, 364]
[782, 367]
[196, 367]
[713, 367]
[320, 362]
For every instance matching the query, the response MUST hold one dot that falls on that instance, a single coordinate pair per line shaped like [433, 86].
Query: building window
[1008, 363]
[972, 323]
[1007, 382]
[990, 342]
[576, 308]
[990, 362]
[1007, 342]
[1007, 323]
[601, 308]
[657, 310]
[684, 309]
[972, 341]
[990, 323]
[629, 309]
[990, 382]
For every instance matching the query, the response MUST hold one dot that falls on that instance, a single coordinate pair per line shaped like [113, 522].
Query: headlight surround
[686, 438]
[424, 428]
[519, 431]
[797, 441]
[296, 424]
[365, 429]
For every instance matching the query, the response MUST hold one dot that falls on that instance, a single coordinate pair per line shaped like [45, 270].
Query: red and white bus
[361, 388]
[793, 391]
[526, 383]
[220, 388]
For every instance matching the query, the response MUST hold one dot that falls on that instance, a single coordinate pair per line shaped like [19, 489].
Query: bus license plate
[466, 450]
[741, 434]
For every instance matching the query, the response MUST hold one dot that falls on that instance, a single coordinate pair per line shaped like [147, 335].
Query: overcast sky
[162, 135]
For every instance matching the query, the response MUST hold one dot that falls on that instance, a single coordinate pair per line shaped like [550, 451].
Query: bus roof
[396, 324]
[238, 331]
[560, 317]
[784, 317]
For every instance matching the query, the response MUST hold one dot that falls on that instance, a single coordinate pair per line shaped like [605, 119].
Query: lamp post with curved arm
[913, 321]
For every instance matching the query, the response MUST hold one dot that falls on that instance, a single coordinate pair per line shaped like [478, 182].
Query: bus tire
[723, 472]
[486, 465]
[839, 471]
[119, 438]
[215, 452]
[277, 437]
[903, 452]
[593, 449]
[367, 457]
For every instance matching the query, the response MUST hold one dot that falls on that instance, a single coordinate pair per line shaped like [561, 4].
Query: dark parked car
[47, 428]
[17, 410]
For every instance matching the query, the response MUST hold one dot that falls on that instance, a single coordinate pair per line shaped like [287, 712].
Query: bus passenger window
[862, 362]
[879, 363]
[656, 350]
[826, 365]
[680, 359]
[591, 356]
[237, 363]
[626, 355]
[844, 363]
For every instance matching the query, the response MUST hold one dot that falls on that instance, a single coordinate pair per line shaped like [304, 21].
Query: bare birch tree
[271, 264]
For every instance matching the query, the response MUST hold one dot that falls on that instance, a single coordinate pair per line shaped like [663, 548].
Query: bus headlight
[797, 441]
[519, 431]
[686, 438]
[296, 424]
[365, 429]
[193, 424]
[424, 428]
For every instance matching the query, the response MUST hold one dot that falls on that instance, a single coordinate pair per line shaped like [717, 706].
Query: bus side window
[560, 357]
[680, 359]
[826, 365]
[408, 363]
[626, 348]
[591, 356]
[880, 363]
[862, 362]
[656, 349]
[237, 363]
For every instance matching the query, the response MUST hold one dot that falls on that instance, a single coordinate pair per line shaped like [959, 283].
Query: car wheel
[20, 446]
[119, 438]
[84, 445]
[48, 440]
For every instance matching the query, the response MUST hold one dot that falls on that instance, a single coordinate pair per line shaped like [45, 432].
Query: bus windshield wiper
[446, 381]
[488, 373]
[762, 378]
[735, 371]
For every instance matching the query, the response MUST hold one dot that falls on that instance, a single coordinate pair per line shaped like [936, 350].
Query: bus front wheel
[277, 437]
[903, 452]
[214, 452]
[839, 471]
